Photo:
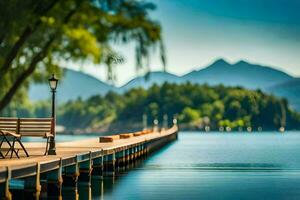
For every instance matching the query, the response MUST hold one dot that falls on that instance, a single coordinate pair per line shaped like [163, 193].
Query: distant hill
[153, 77]
[77, 84]
[247, 75]
[290, 90]
[74, 84]
[242, 73]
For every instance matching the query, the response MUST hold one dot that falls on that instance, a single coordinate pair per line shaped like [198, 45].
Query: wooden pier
[76, 161]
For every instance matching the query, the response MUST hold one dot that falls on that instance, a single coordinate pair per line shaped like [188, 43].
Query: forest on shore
[195, 106]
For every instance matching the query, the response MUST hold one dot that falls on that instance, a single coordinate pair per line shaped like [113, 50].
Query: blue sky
[197, 32]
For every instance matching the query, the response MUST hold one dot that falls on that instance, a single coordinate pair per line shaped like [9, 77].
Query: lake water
[209, 166]
[214, 166]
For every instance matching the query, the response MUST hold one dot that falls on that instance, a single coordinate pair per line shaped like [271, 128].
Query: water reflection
[95, 189]
[101, 187]
[69, 194]
[85, 193]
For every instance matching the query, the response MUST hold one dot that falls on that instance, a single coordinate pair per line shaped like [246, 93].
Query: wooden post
[142, 150]
[85, 171]
[119, 158]
[139, 150]
[54, 181]
[97, 189]
[85, 192]
[109, 164]
[146, 148]
[127, 155]
[84, 179]
[32, 185]
[70, 175]
[135, 152]
[97, 165]
[121, 161]
[97, 171]
[4, 187]
[132, 153]
[123, 158]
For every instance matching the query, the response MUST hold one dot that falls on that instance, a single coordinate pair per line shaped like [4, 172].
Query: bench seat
[109, 138]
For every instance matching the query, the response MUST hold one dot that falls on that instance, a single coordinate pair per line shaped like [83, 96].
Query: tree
[189, 115]
[39, 37]
[235, 108]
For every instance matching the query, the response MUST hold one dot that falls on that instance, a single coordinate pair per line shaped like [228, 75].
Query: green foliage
[189, 115]
[37, 38]
[195, 105]
[79, 114]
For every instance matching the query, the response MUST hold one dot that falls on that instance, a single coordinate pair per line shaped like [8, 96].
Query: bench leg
[7, 152]
[2, 141]
[47, 146]
[1, 154]
[23, 148]
[11, 148]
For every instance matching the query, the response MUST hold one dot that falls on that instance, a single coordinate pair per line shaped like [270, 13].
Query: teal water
[214, 166]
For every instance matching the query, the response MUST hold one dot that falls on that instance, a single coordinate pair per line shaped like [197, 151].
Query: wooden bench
[8, 129]
[147, 131]
[126, 135]
[17, 128]
[139, 133]
[110, 138]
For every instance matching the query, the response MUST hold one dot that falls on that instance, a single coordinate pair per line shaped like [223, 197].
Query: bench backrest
[9, 124]
[36, 127]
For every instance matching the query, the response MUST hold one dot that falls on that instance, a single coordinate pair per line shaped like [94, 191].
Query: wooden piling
[70, 175]
[54, 181]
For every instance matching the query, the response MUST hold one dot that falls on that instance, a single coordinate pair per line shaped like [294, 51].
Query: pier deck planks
[66, 150]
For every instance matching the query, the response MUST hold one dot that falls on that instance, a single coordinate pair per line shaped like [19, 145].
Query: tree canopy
[39, 37]
[194, 105]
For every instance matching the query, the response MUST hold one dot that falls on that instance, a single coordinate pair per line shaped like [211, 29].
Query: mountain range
[241, 73]
[73, 85]
[290, 90]
[252, 76]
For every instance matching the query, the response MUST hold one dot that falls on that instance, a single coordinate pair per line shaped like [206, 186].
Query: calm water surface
[210, 166]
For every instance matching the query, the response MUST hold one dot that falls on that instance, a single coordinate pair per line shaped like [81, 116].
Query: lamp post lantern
[174, 121]
[53, 85]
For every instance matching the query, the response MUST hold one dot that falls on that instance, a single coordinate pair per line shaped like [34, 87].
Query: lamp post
[145, 122]
[155, 127]
[174, 121]
[53, 85]
[165, 124]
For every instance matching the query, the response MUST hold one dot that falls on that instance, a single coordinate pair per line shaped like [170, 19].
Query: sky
[197, 32]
